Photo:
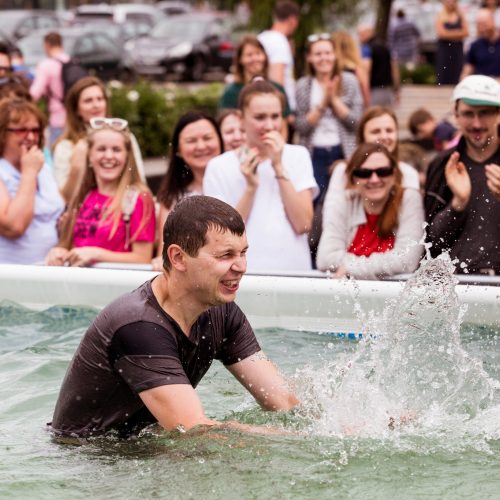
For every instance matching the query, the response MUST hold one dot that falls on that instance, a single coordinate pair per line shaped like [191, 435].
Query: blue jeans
[54, 133]
[322, 158]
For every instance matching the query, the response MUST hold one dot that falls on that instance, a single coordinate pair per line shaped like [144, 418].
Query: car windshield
[8, 22]
[189, 29]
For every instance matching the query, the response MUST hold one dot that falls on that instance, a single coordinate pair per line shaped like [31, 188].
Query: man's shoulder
[129, 308]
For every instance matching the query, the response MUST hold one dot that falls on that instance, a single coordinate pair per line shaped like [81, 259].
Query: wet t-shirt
[133, 345]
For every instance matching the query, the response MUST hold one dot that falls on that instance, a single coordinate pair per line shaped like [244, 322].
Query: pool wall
[297, 303]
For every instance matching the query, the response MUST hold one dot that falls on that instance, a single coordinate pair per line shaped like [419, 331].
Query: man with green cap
[462, 191]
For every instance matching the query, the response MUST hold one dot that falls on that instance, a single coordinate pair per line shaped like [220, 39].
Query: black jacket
[473, 235]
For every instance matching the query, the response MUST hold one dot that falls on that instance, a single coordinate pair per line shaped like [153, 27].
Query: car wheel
[197, 69]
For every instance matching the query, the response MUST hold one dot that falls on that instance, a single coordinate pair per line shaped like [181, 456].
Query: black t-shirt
[134, 345]
[381, 68]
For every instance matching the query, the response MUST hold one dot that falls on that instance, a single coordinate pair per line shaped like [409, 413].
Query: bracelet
[282, 177]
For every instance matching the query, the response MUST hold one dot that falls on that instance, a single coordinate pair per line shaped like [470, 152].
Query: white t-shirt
[278, 51]
[326, 131]
[273, 244]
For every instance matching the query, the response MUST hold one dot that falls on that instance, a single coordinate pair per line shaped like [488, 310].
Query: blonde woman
[111, 217]
[349, 59]
[329, 106]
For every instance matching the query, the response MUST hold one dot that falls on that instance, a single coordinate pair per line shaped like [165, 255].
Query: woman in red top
[376, 225]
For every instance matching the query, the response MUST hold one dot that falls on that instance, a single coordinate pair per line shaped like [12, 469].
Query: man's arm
[467, 70]
[261, 378]
[178, 405]
[175, 405]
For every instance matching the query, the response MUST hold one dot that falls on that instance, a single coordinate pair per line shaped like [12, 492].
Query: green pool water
[436, 456]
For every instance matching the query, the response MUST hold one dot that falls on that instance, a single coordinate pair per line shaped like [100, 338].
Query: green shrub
[152, 111]
[423, 74]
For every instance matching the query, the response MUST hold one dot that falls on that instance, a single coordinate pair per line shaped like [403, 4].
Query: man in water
[141, 359]
[462, 191]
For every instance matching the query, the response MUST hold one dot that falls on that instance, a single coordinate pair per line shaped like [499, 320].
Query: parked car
[174, 7]
[17, 23]
[187, 45]
[94, 49]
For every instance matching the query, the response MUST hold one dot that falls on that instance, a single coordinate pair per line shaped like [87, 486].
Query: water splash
[412, 368]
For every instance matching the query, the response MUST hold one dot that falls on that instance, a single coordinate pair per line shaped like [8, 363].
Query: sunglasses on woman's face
[98, 123]
[319, 36]
[366, 173]
[24, 131]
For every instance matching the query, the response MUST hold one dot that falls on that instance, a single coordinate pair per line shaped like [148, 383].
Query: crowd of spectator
[314, 167]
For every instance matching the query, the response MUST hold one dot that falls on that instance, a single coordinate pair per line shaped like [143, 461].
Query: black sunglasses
[366, 173]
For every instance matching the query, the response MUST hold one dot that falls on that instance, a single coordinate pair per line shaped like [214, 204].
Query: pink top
[91, 231]
[48, 82]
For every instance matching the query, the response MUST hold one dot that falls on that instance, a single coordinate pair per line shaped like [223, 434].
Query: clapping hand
[492, 172]
[458, 181]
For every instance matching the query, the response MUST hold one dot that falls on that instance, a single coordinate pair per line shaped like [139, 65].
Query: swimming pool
[343, 448]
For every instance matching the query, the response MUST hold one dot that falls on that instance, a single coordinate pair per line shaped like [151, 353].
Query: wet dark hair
[179, 175]
[188, 223]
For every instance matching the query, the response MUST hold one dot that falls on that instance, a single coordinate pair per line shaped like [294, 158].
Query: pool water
[339, 444]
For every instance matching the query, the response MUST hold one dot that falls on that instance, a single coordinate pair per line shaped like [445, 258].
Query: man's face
[215, 273]
[293, 24]
[478, 124]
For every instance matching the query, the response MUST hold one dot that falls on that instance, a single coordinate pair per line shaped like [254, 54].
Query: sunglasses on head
[366, 173]
[319, 36]
[98, 123]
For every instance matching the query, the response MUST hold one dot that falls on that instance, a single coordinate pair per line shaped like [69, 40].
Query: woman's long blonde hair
[346, 50]
[130, 179]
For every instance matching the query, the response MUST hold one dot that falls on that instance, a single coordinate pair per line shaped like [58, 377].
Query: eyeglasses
[480, 113]
[24, 131]
[10, 79]
[366, 173]
[319, 36]
[98, 123]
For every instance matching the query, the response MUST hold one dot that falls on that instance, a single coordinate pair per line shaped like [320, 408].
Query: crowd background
[291, 197]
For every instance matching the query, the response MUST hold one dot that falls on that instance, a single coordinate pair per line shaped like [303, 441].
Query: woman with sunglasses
[250, 61]
[329, 106]
[111, 218]
[195, 141]
[270, 183]
[375, 226]
[86, 99]
[30, 204]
